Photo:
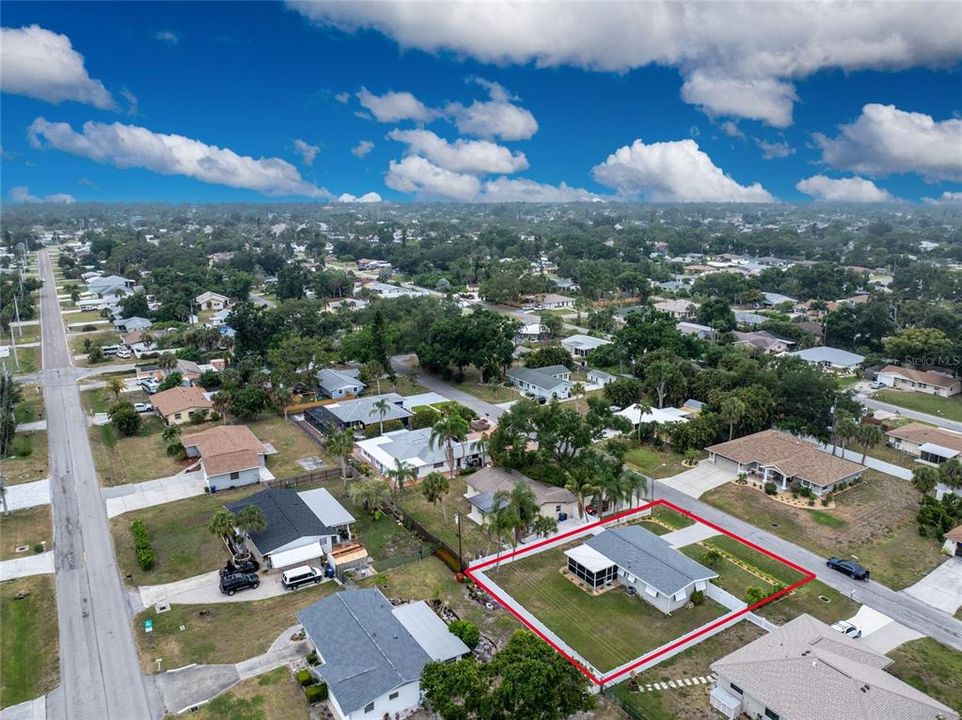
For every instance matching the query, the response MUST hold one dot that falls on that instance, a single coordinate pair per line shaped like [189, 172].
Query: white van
[301, 575]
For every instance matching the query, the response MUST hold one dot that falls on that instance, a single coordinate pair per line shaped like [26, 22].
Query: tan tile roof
[954, 534]
[790, 455]
[180, 399]
[226, 448]
[920, 376]
[920, 433]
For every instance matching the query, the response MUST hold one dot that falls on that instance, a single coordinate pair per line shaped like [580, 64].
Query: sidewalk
[124, 498]
[28, 495]
[41, 564]
[32, 426]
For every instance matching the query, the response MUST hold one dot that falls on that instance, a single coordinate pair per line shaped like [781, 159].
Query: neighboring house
[371, 653]
[664, 416]
[552, 382]
[775, 456]
[553, 301]
[386, 290]
[132, 324]
[349, 303]
[692, 407]
[533, 333]
[358, 413]
[301, 525]
[928, 444]
[110, 285]
[829, 358]
[770, 299]
[219, 318]
[700, 331]
[581, 345]
[636, 557]
[599, 377]
[746, 317]
[230, 456]
[806, 670]
[337, 384]
[176, 405]
[930, 383]
[414, 448]
[953, 542]
[763, 341]
[553, 501]
[678, 309]
[212, 301]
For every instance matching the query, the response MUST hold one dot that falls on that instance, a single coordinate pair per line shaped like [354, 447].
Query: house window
[393, 696]
[771, 714]
[737, 689]
[235, 476]
[369, 707]
[176, 416]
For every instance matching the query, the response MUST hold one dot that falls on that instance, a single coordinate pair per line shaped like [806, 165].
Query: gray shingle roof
[366, 649]
[650, 558]
[362, 409]
[540, 377]
[332, 380]
[824, 354]
[288, 518]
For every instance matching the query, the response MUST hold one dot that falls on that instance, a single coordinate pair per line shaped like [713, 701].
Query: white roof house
[581, 345]
[414, 448]
[633, 414]
[830, 358]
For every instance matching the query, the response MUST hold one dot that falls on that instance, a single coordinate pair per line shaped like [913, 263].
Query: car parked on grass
[849, 567]
[300, 576]
[232, 582]
[848, 629]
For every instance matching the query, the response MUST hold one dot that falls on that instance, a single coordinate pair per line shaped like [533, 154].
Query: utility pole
[457, 521]
[16, 309]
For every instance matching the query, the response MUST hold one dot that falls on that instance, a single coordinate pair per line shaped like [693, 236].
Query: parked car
[240, 566]
[232, 582]
[124, 352]
[849, 567]
[150, 385]
[877, 385]
[848, 629]
[143, 407]
[300, 576]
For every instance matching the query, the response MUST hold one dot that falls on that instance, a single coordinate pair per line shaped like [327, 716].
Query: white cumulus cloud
[362, 148]
[418, 175]
[167, 36]
[21, 194]
[851, 189]
[395, 106]
[42, 64]
[885, 140]
[524, 190]
[676, 171]
[128, 146]
[946, 198]
[476, 157]
[736, 57]
[306, 151]
[774, 150]
[497, 117]
[370, 197]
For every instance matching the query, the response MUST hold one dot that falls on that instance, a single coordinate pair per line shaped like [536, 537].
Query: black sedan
[849, 567]
[229, 584]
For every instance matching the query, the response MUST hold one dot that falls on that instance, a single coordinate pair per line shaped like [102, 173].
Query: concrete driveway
[880, 632]
[124, 498]
[706, 476]
[28, 495]
[941, 588]
[689, 535]
[42, 564]
[205, 589]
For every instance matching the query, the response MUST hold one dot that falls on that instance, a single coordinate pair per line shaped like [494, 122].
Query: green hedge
[316, 693]
[305, 678]
[145, 553]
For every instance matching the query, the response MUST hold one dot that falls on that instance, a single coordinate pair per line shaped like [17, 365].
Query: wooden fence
[312, 477]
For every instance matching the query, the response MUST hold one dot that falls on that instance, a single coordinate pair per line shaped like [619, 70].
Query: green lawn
[731, 577]
[660, 462]
[98, 401]
[220, 632]
[29, 358]
[930, 667]
[810, 598]
[887, 454]
[607, 629]
[24, 335]
[950, 408]
[79, 346]
[496, 393]
[873, 521]
[275, 695]
[28, 460]
[86, 316]
[30, 408]
[476, 543]
[122, 460]
[781, 572]
[31, 527]
[291, 443]
[29, 641]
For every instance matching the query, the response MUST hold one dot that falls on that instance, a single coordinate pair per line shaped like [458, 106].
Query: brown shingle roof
[920, 434]
[920, 376]
[226, 448]
[491, 479]
[180, 399]
[954, 534]
[790, 455]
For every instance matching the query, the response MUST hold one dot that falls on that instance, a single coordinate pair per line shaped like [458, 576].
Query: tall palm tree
[223, 523]
[480, 446]
[221, 402]
[434, 487]
[580, 482]
[523, 509]
[449, 428]
[732, 411]
[369, 493]
[374, 371]
[643, 408]
[116, 386]
[846, 429]
[398, 475]
[500, 522]
[251, 519]
[340, 444]
[634, 485]
[869, 436]
[381, 408]
[147, 339]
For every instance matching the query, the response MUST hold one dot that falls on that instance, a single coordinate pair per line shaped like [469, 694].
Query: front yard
[122, 460]
[30, 527]
[29, 641]
[28, 460]
[656, 462]
[931, 668]
[608, 629]
[272, 696]
[30, 407]
[29, 358]
[873, 521]
[220, 632]
[814, 598]
[496, 393]
[949, 408]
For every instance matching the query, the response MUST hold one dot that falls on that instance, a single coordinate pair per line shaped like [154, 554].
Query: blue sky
[252, 78]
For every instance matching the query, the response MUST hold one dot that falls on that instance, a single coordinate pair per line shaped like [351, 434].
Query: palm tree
[846, 428]
[580, 481]
[500, 523]
[221, 403]
[223, 523]
[374, 371]
[116, 386]
[869, 436]
[434, 487]
[369, 493]
[634, 486]
[523, 508]
[171, 436]
[398, 475]
[950, 473]
[167, 361]
[925, 479]
[480, 446]
[577, 390]
[732, 411]
[449, 428]
[147, 339]
[381, 408]
[543, 526]
[251, 519]
[643, 409]
[340, 444]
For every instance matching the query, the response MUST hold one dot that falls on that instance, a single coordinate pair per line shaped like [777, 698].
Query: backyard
[930, 667]
[475, 542]
[873, 521]
[608, 629]
[292, 444]
[949, 408]
[30, 527]
[28, 616]
[220, 632]
[28, 459]
[271, 696]
[122, 460]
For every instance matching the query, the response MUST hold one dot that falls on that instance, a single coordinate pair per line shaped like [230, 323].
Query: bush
[38, 548]
[305, 678]
[312, 658]
[124, 418]
[467, 631]
[88, 328]
[771, 488]
[697, 597]
[142, 548]
[197, 416]
[423, 417]
[316, 693]
[374, 429]
[826, 501]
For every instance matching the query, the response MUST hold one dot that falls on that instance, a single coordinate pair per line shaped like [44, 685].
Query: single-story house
[953, 542]
[553, 501]
[176, 405]
[763, 341]
[581, 345]
[930, 383]
[131, 324]
[230, 456]
[928, 444]
[531, 332]
[636, 557]
[665, 416]
[110, 285]
[703, 332]
[301, 525]
[746, 317]
[829, 358]
[212, 301]
[358, 413]
[552, 382]
[599, 377]
[775, 456]
[771, 299]
[371, 653]
[678, 309]
[806, 670]
[414, 448]
[692, 407]
[339, 383]
[349, 303]
[553, 301]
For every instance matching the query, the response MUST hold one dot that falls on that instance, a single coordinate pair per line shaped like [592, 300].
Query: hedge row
[145, 553]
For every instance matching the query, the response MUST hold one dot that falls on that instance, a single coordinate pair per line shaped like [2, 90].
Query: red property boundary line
[685, 639]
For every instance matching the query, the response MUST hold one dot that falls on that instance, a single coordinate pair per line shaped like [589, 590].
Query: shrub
[811, 502]
[38, 548]
[316, 693]
[754, 594]
[467, 631]
[124, 418]
[142, 548]
[697, 597]
[88, 328]
[312, 658]
[771, 488]
[305, 678]
[423, 417]
[374, 428]
[826, 501]
[197, 416]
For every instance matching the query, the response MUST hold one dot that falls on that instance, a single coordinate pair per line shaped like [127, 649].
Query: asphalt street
[99, 670]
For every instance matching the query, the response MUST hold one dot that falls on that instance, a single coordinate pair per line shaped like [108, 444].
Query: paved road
[99, 670]
[402, 367]
[912, 414]
[899, 606]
